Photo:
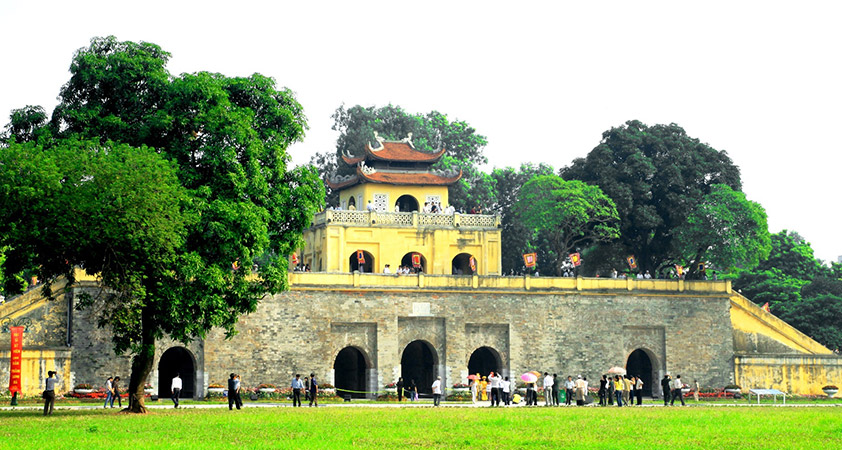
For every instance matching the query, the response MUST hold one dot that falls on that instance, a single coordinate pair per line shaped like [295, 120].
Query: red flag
[632, 262]
[360, 257]
[473, 262]
[679, 270]
[766, 308]
[530, 259]
[295, 259]
[576, 259]
[15, 363]
[416, 260]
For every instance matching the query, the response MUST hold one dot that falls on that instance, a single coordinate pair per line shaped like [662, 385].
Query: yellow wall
[794, 374]
[34, 367]
[749, 318]
[329, 248]
[366, 192]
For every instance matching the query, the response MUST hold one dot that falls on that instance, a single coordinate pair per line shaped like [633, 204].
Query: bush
[830, 387]
[83, 386]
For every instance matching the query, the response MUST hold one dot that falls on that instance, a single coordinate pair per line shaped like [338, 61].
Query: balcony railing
[406, 219]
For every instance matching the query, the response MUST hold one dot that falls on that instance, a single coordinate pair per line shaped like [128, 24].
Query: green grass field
[388, 428]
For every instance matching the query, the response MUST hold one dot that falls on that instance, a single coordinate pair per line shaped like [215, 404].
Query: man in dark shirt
[233, 392]
[314, 390]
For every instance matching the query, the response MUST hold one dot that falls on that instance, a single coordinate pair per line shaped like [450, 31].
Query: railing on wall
[491, 282]
[405, 219]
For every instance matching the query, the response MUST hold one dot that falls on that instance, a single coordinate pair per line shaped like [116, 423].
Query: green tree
[430, 132]
[572, 213]
[656, 176]
[818, 317]
[726, 230]
[26, 124]
[226, 139]
[514, 239]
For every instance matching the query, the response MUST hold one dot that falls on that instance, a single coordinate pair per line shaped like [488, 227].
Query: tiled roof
[343, 184]
[401, 151]
[416, 178]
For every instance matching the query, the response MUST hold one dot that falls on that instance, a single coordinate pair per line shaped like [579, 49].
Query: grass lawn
[388, 428]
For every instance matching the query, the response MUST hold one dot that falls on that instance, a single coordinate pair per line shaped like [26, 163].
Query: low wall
[795, 374]
[34, 366]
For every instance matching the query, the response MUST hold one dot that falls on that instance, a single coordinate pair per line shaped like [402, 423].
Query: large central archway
[177, 360]
[418, 363]
[483, 361]
[640, 365]
[366, 267]
[349, 371]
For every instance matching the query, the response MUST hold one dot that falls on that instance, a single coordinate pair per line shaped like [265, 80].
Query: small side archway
[349, 370]
[642, 363]
[407, 261]
[181, 361]
[461, 264]
[352, 203]
[418, 363]
[367, 266]
[407, 203]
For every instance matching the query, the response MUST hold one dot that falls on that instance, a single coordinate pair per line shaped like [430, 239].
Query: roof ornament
[367, 170]
[379, 140]
[447, 173]
[408, 139]
[338, 179]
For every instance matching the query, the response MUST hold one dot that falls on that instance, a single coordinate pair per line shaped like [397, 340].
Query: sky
[541, 80]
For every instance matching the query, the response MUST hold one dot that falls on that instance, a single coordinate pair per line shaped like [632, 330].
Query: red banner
[360, 257]
[416, 260]
[295, 259]
[473, 263]
[17, 352]
[529, 259]
[632, 262]
[576, 259]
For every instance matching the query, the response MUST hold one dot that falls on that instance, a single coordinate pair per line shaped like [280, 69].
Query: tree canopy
[724, 229]
[571, 213]
[191, 176]
[656, 176]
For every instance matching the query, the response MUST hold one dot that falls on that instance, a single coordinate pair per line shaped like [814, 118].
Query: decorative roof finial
[379, 142]
[408, 139]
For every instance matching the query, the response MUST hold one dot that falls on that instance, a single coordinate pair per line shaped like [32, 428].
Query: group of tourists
[310, 386]
[494, 387]
[408, 390]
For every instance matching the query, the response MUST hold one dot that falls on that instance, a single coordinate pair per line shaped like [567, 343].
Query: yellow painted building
[394, 211]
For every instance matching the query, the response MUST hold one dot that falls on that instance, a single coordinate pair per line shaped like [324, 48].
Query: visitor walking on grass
[314, 390]
[116, 387]
[175, 387]
[437, 391]
[666, 386]
[297, 386]
[109, 392]
[413, 390]
[49, 393]
[676, 391]
[233, 392]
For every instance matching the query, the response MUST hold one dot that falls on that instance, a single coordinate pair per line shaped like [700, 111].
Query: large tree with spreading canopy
[174, 190]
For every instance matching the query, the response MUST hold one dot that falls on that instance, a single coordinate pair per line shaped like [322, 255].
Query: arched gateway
[349, 371]
[418, 363]
[640, 365]
[483, 361]
[177, 360]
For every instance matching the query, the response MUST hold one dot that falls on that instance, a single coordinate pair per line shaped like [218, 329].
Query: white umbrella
[616, 370]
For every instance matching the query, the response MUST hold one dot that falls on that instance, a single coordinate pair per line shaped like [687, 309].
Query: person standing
[109, 392]
[555, 389]
[626, 389]
[696, 390]
[609, 386]
[297, 386]
[314, 390]
[307, 389]
[437, 391]
[233, 391]
[399, 387]
[548, 389]
[507, 391]
[413, 390]
[618, 390]
[667, 388]
[116, 387]
[494, 379]
[569, 386]
[49, 393]
[176, 389]
[603, 385]
[473, 387]
[676, 391]
[638, 390]
[632, 390]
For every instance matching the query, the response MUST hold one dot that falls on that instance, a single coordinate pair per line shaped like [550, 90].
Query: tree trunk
[141, 366]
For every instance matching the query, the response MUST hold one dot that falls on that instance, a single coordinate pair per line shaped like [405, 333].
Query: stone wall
[302, 331]
[804, 374]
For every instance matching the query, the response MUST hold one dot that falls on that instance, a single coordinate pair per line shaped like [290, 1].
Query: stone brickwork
[303, 330]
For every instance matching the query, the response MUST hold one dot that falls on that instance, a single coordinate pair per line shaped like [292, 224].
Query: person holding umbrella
[530, 379]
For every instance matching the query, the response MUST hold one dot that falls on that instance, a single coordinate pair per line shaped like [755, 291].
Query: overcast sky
[542, 80]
